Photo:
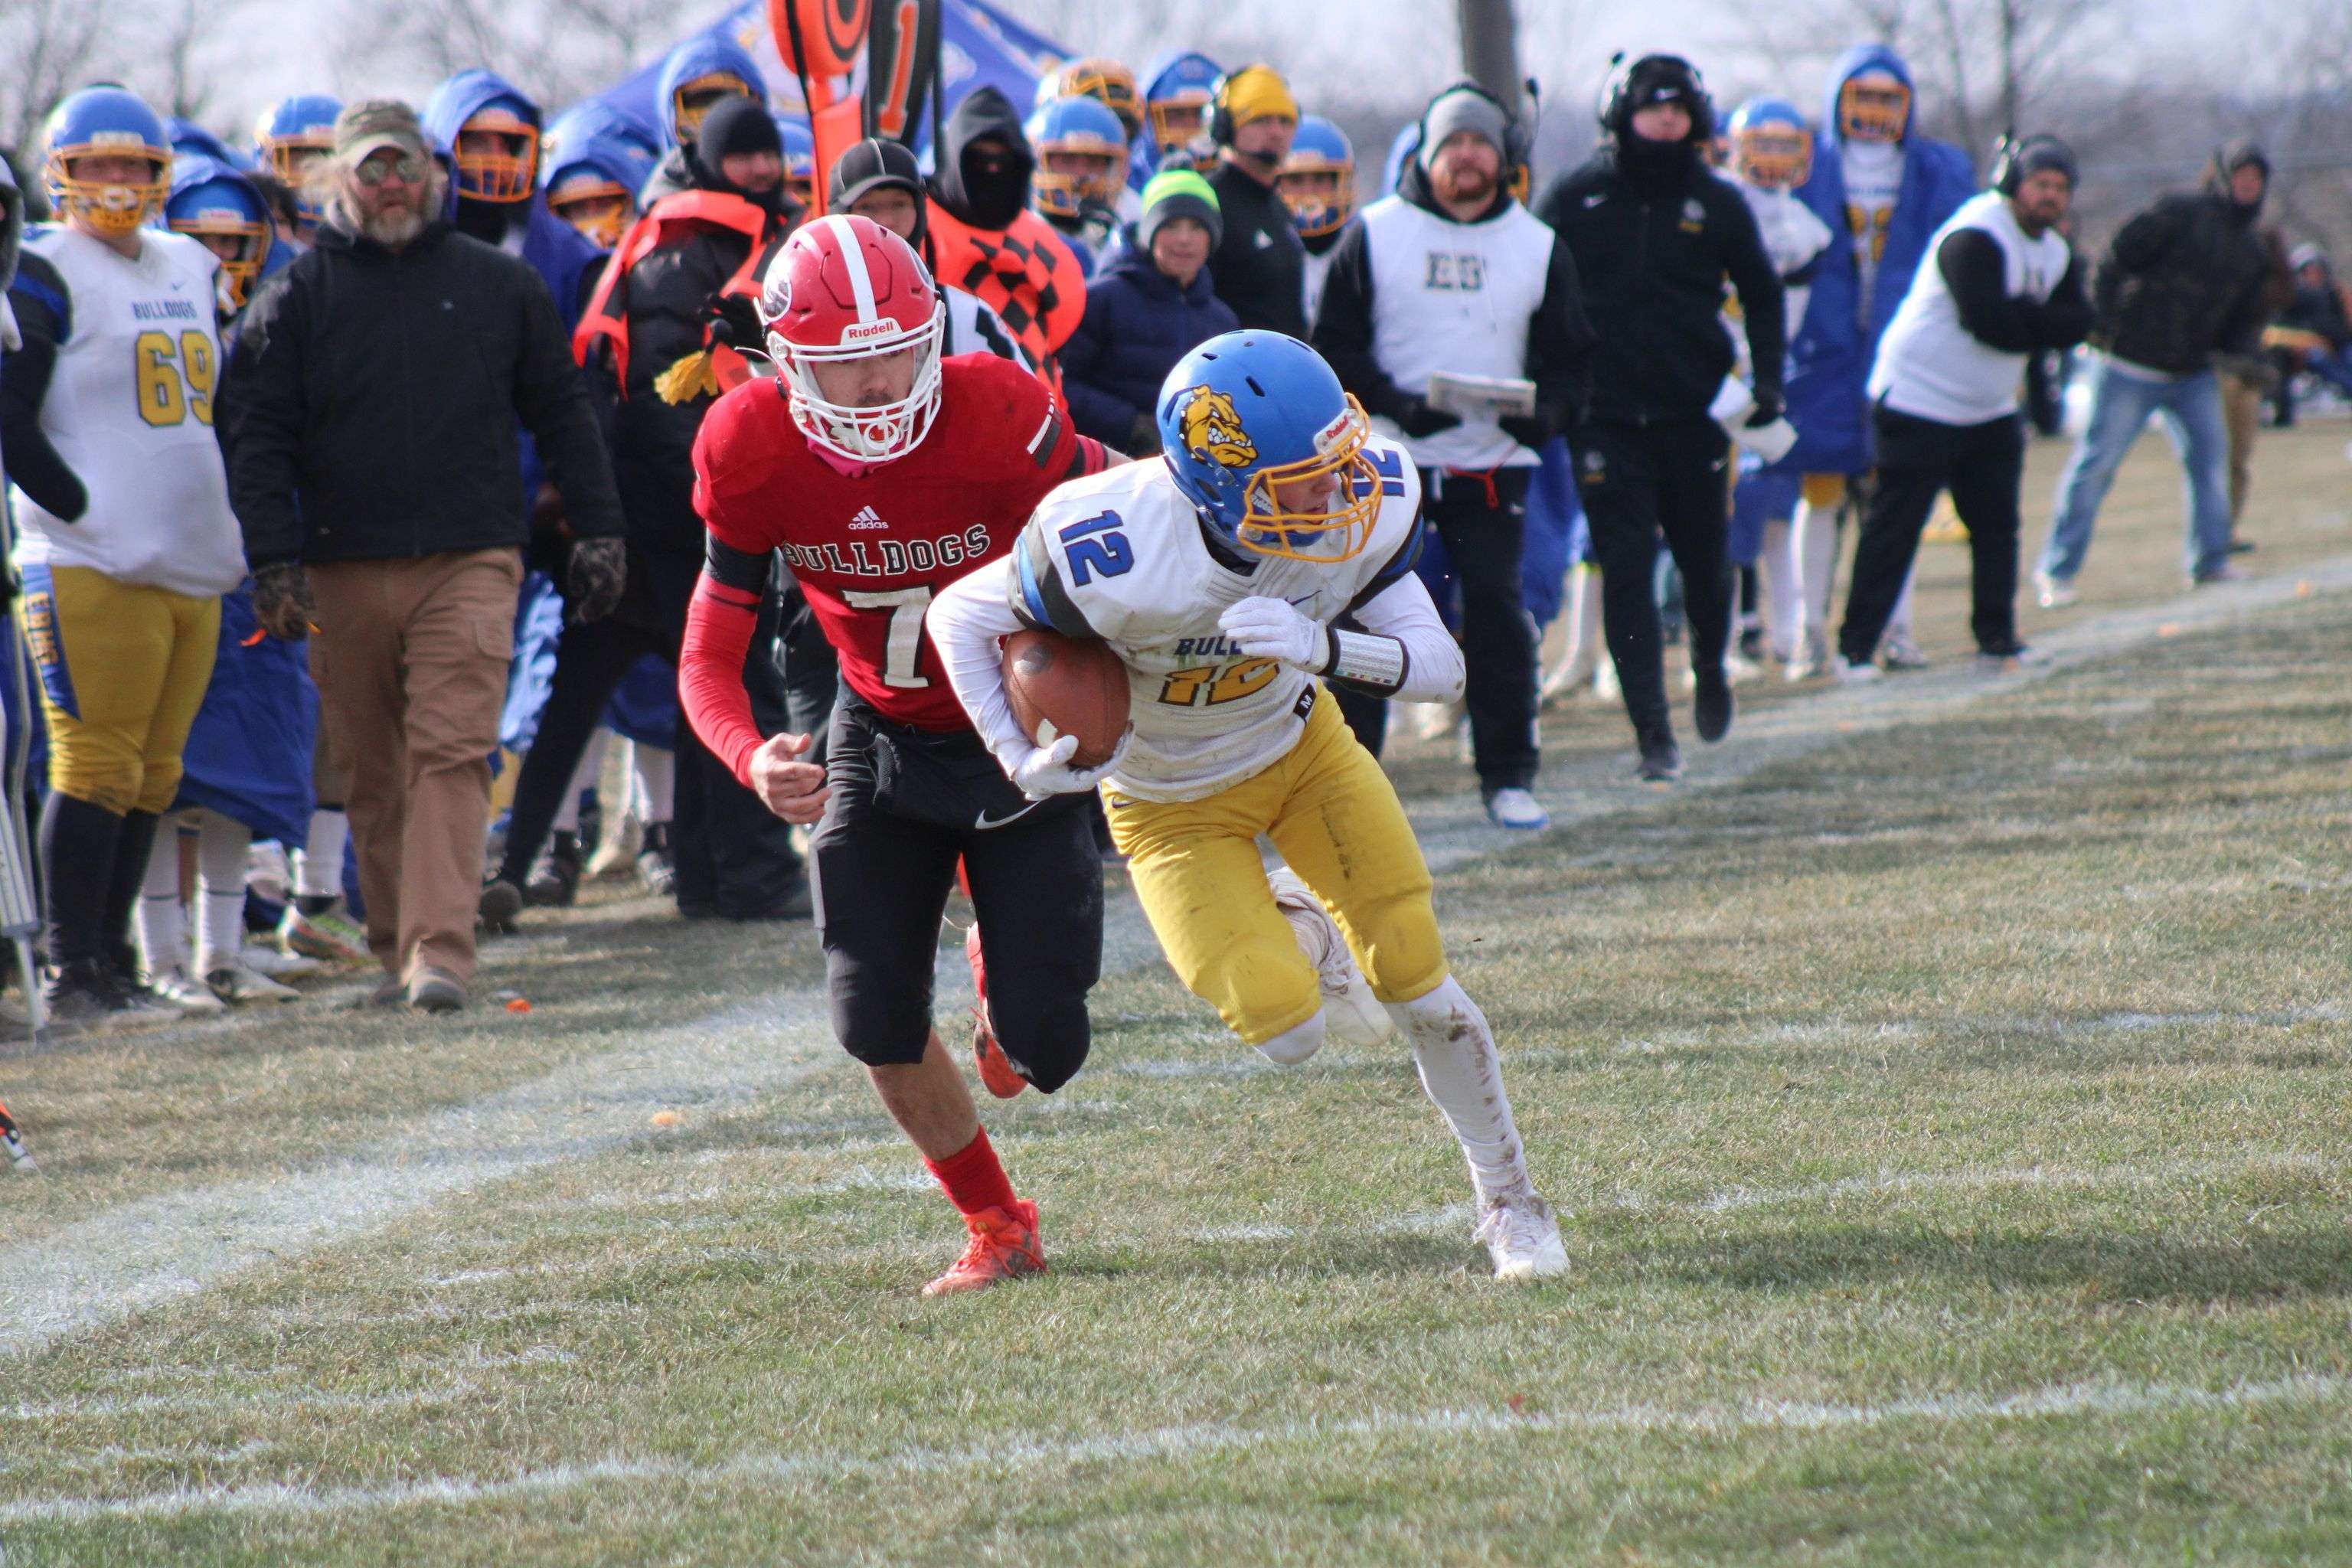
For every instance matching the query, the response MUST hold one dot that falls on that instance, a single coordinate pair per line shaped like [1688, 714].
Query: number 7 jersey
[1124, 557]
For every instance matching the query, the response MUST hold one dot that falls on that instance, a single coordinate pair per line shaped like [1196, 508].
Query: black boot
[121, 954]
[80, 844]
[555, 880]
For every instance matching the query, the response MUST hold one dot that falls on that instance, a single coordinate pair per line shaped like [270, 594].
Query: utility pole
[1490, 48]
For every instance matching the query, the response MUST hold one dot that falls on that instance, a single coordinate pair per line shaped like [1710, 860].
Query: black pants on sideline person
[1481, 518]
[1982, 465]
[1637, 482]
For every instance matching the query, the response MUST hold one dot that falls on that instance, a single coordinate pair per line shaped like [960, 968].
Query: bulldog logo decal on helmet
[1213, 430]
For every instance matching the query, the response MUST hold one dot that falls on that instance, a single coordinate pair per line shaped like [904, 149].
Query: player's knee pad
[1048, 1042]
[1397, 943]
[881, 1019]
[1294, 1045]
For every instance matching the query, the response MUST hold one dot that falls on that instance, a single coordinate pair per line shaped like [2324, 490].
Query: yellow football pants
[1336, 819]
[123, 669]
[1823, 489]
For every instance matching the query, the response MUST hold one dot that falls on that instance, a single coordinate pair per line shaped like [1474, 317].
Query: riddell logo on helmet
[859, 331]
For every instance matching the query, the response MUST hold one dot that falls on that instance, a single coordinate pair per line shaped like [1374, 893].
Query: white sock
[1454, 1050]
[1817, 548]
[1784, 588]
[221, 845]
[583, 777]
[653, 772]
[163, 919]
[319, 869]
[1899, 623]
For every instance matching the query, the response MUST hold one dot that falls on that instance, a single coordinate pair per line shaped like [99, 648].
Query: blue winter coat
[1138, 324]
[1831, 359]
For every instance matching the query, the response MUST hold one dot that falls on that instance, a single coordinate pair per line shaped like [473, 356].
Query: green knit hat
[1178, 193]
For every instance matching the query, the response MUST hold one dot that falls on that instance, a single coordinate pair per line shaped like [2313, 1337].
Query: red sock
[974, 1179]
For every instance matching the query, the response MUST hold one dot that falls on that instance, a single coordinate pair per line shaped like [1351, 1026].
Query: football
[1076, 687]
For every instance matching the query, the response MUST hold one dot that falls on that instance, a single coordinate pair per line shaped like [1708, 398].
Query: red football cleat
[1002, 1247]
[997, 1072]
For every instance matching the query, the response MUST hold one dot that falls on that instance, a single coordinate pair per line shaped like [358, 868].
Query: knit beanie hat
[1178, 193]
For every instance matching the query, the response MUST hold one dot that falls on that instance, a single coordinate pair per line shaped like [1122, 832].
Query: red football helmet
[844, 289]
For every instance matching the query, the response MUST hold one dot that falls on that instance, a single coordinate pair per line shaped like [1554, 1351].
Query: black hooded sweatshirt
[2185, 279]
[1260, 265]
[667, 301]
[984, 201]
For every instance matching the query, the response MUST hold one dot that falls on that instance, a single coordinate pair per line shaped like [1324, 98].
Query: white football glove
[1044, 772]
[1265, 627]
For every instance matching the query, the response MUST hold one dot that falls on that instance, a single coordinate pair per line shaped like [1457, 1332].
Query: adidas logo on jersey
[867, 518]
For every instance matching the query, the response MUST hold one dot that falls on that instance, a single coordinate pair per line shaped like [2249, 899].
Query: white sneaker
[266, 960]
[2054, 593]
[1814, 659]
[184, 991]
[1516, 808]
[1850, 672]
[232, 982]
[1523, 1238]
[1901, 650]
[1351, 1014]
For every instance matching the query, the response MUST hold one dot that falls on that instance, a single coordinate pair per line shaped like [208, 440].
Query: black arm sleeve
[45, 318]
[2065, 319]
[553, 403]
[1560, 344]
[1974, 270]
[262, 417]
[1343, 326]
[1763, 301]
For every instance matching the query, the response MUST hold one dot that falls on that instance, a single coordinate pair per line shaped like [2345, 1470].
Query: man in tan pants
[374, 462]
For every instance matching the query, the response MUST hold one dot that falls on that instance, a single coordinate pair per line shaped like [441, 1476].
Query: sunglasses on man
[408, 168]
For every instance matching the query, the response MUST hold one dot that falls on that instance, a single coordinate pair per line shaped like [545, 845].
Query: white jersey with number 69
[129, 407]
[1124, 557]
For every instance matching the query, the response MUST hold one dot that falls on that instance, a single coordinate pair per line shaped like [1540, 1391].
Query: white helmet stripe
[861, 283]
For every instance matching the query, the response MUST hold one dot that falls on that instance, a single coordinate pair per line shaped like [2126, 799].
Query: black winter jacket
[2183, 281]
[369, 409]
[1653, 240]
[1260, 264]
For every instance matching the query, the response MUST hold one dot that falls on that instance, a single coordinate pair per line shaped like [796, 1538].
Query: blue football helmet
[214, 202]
[490, 135]
[1176, 96]
[106, 122]
[800, 157]
[1318, 179]
[697, 74]
[292, 134]
[597, 161]
[1250, 411]
[1771, 145]
[1080, 129]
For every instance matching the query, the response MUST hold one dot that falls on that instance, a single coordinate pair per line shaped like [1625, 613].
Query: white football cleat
[1351, 1014]
[184, 991]
[1852, 673]
[232, 982]
[1523, 1238]
[278, 965]
[1812, 660]
[1901, 650]
[2054, 593]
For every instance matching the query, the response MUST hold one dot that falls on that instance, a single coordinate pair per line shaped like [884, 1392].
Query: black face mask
[734, 126]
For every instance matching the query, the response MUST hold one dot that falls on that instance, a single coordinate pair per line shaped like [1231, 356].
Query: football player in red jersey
[881, 473]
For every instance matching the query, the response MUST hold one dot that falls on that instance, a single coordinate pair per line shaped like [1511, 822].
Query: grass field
[1944, 1092]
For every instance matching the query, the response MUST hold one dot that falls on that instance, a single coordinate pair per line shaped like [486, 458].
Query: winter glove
[1264, 627]
[1534, 431]
[1417, 419]
[1044, 772]
[1769, 406]
[281, 600]
[734, 322]
[594, 580]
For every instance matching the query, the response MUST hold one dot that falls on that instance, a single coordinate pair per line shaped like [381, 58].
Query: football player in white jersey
[1274, 546]
[127, 541]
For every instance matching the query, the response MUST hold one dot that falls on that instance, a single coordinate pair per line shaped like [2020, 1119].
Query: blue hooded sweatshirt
[559, 253]
[1138, 323]
[1831, 359]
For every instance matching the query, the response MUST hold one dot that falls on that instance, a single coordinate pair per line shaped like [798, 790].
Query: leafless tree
[195, 30]
[553, 53]
[47, 48]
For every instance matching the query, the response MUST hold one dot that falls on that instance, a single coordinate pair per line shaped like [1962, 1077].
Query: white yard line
[824, 1470]
[155, 1250]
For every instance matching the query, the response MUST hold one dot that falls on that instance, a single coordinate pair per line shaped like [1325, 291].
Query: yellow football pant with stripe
[1334, 818]
[123, 668]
